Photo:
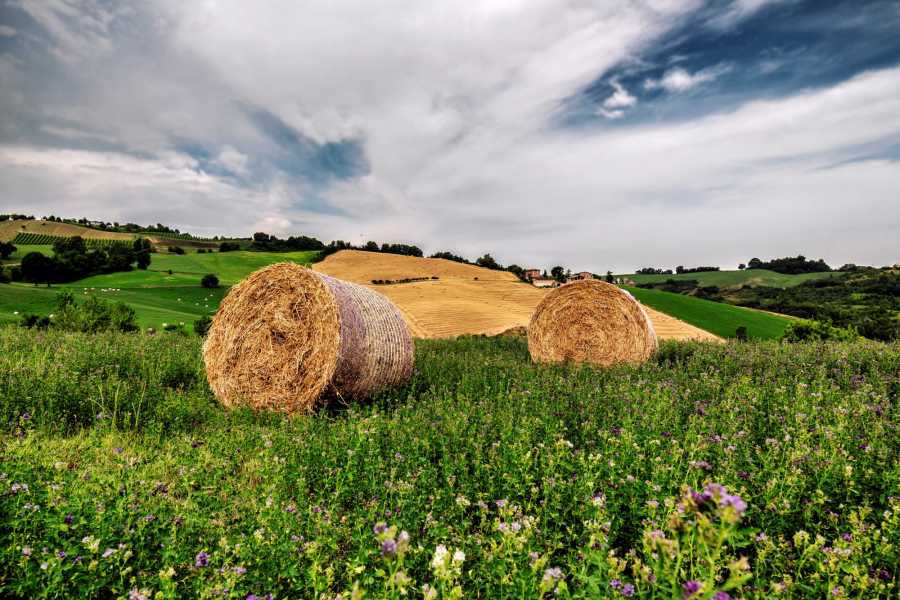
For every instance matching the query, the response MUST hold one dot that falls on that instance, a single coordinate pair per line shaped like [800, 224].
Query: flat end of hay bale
[274, 342]
[590, 322]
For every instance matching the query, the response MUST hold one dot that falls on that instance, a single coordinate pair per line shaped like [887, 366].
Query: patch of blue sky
[704, 65]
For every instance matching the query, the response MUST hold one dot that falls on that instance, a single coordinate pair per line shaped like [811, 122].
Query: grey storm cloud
[450, 124]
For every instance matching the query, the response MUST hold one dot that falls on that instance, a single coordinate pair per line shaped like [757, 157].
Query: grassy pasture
[22, 250]
[733, 278]
[715, 317]
[122, 476]
[156, 296]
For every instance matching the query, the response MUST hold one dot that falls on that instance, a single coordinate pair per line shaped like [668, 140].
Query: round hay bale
[288, 339]
[593, 322]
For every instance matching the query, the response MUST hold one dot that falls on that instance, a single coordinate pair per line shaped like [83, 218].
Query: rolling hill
[724, 279]
[715, 317]
[157, 295]
[465, 299]
[10, 229]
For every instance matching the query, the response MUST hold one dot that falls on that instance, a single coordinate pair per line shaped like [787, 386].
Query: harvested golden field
[456, 303]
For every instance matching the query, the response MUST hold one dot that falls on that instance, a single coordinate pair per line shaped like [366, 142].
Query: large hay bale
[287, 339]
[590, 321]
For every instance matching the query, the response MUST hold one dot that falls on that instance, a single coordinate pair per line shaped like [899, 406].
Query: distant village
[541, 279]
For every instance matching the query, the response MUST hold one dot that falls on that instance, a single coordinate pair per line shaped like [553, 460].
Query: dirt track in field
[457, 303]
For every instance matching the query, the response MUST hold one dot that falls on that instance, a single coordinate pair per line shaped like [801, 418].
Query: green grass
[550, 479]
[156, 296]
[733, 278]
[715, 317]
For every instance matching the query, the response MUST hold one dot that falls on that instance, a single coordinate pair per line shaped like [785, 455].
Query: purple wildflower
[690, 588]
[700, 498]
[252, 597]
[553, 573]
[388, 547]
[501, 503]
[118, 450]
[202, 559]
[240, 570]
[847, 537]
[721, 596]
[68, 519]
[628, 590]
[379, 528]
[735, 502]
[61, 554]
[615, 584]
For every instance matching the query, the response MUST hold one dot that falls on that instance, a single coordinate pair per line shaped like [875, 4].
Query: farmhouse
[532, 273]
[582, 275]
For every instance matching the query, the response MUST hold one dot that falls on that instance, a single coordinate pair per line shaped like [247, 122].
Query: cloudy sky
[605, 134]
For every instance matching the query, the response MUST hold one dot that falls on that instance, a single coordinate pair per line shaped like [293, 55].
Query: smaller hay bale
[289, 339]
[593, 322]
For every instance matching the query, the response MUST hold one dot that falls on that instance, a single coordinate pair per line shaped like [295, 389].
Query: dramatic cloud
[543, 132]
[740, 9]
[679, 80]
[620, 99]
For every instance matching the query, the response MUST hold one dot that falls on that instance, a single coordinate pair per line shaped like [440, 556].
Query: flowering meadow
[746, 470]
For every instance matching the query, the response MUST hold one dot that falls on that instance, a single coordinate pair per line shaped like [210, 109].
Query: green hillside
[715, 317]
[156, 296]
[22, 250]
[733, 278]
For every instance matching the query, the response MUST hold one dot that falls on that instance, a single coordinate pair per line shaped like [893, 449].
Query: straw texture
[288, 339]
[590, 322]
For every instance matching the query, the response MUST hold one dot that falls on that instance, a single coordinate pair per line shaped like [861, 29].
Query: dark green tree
[6, 249]
[141, 249]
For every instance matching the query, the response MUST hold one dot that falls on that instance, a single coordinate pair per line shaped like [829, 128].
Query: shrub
[202, 325]
[740, 333]
[93, 315]
[176, 249]
[803, 331]
[209, 281]
[35, 321]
